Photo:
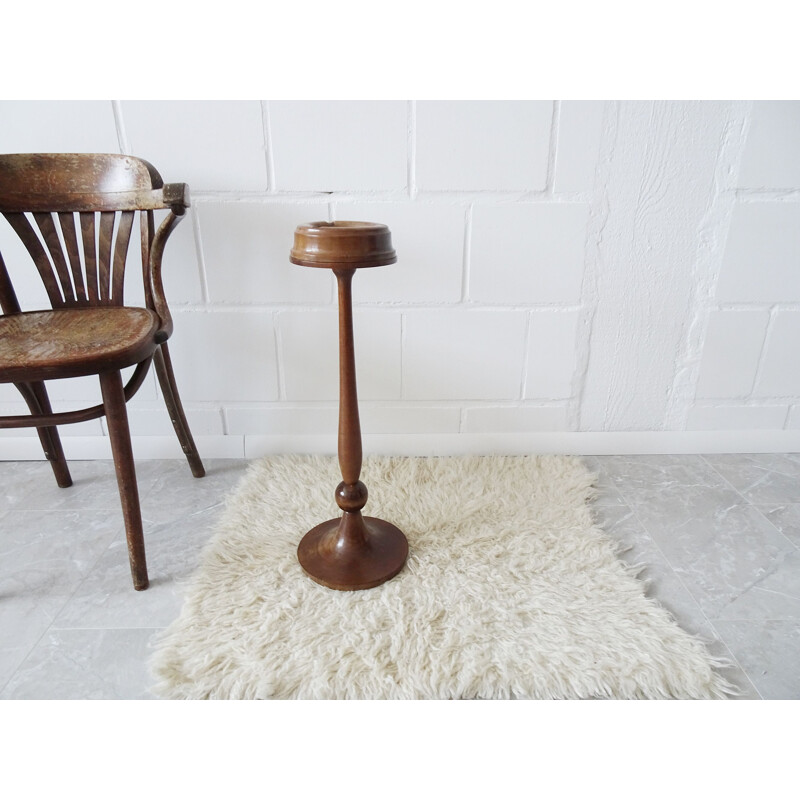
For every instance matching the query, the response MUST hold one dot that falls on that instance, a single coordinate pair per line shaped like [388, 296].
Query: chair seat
[63, 343]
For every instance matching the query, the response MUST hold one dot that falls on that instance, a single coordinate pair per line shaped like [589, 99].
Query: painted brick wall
[563, 266]
[749, 375]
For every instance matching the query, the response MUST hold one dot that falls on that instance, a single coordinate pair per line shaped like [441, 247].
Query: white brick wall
[214, 145]
[793, 420]
[780, 369]
[431, 266]
[563, 266]
[724, 417]
[764, 239]
[749, 376]
[86, 126]
[245, 254]
[309, 346]
[527, 253]
[772, 158]
[225, 356]
[329, 146]
[734, 341]
[513, 420]
[550, 365]
[580, 130]
[457, 354]
[482, 145]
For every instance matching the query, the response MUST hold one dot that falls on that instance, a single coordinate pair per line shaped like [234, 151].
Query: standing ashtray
[353, 552]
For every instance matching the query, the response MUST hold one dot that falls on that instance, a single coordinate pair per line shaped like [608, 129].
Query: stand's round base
[332, 561]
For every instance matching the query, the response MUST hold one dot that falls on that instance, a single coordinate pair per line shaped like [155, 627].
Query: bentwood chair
[74, 214]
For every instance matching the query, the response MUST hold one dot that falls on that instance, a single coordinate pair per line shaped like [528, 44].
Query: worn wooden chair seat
[66, 343]
[74, 214]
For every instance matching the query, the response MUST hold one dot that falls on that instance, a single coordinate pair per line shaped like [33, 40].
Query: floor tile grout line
[113, 541]
[38, 641]
[756, 508]
[28, 653]
[111, 628]
[51, 626]
[716, 630]
[711, 625]
[752, 505]
[775, 591]
[753, 621]
[669, 563]
[779, 560]
[734, 658]
[102, 681]
[67, 601]
[773, 471]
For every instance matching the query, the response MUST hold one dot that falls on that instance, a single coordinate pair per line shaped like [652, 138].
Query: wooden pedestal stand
[353, 552]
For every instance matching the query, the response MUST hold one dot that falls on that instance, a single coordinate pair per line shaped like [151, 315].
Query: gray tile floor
[718, 538]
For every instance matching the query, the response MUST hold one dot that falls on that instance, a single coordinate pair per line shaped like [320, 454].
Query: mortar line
[742, 401]
[212, 405]
[552, 152]
[432, 197]
[246, 308]
[278, 344]
[411, 153]
[525, 354]
[766, 195]
[266, 129]
[122, 136]
[757, 305]
[599, 213]
[402, 354]
[205, 294]
[467, 255]
[773, 312]
[713, 230]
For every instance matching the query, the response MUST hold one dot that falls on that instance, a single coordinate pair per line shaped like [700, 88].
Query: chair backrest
[75, 213]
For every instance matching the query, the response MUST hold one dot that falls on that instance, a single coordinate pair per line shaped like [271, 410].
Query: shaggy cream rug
[509, 592]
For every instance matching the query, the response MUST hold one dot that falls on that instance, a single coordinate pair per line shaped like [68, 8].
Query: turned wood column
[352, 552]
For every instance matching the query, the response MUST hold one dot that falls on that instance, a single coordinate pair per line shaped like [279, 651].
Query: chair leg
[166, 378]
[119, 433]
[38, 402]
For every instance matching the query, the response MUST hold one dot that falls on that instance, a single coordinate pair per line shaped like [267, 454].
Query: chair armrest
[176, 196]
[156, 284]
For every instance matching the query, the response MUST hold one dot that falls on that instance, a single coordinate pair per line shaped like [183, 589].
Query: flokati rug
[510, 591]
